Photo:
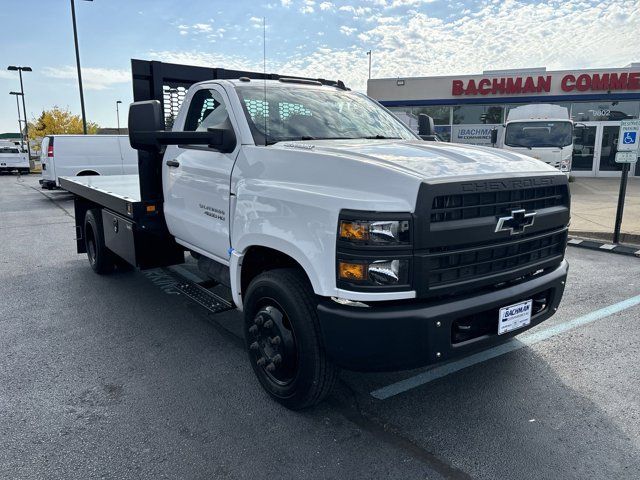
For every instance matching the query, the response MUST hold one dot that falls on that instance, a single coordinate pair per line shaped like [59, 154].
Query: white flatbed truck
[344, 239]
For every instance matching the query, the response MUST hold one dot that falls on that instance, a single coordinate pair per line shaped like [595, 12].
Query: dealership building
[465, 108]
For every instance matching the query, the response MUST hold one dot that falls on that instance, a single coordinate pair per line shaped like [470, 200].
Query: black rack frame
[151, 78]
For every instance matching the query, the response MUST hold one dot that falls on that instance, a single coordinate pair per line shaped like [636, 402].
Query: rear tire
[283, 339]
[101, 259]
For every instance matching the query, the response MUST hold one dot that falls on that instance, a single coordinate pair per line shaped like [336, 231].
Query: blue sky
[319, 38]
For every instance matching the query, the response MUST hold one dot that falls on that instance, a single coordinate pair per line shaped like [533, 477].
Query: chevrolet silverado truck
[344, 239]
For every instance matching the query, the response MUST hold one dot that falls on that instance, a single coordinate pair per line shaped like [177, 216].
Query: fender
[319, 283]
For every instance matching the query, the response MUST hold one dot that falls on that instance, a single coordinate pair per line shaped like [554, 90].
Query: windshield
[538, 134]
[303, 113]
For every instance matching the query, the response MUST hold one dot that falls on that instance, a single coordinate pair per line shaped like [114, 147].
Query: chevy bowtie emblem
[516, 222]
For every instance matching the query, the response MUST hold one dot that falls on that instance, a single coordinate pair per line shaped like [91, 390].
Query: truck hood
[426, 160]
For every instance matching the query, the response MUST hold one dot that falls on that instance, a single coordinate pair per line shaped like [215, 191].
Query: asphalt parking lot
[121, 377]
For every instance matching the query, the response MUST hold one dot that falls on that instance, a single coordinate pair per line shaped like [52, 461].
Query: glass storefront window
[444, 131]
[604, 111]
[608, 149]
[409, 115]
[477, 114]
[440, 114]
[584, 144]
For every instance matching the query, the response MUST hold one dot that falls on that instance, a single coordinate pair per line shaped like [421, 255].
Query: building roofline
[500, 100]
[513, 72]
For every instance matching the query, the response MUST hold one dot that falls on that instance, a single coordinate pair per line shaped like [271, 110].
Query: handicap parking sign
[629, 137]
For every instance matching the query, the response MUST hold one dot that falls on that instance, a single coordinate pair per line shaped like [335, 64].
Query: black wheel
[283, 339]
[101, 259]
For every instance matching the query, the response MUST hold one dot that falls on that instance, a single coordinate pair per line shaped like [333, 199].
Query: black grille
[475, 205]
[467, 263]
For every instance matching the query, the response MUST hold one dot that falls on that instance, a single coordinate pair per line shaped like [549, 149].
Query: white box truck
[85, 155]
[345, 239]
[541, 131]
[12, 158]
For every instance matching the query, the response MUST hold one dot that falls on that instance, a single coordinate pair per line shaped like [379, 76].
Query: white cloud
[306, 9]
[202, 27]
[92, 78]
[326, 6]
[406, 3]
[492, 35]
[347, 30]
[357, 11]
[196, 28]
[285, 3]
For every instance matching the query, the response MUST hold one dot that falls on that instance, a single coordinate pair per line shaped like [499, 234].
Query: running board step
[206, 298]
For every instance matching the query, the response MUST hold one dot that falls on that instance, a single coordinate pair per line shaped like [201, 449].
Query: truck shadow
[522, 415]
[516, 416]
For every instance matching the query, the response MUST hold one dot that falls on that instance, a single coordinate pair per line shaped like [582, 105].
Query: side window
[207, 109]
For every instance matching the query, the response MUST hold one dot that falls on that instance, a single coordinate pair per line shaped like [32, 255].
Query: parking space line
[510, 346]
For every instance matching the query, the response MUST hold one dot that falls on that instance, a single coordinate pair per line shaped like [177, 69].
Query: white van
[80, 155]
[12, 158]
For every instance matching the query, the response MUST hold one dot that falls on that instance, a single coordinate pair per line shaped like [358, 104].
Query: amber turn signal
[350, 230]
[352, 271]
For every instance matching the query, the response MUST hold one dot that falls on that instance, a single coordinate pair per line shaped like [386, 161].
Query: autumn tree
[58, 121]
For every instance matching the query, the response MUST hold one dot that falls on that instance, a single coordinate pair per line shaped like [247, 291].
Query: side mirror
[146, 131]
[425, 125]
[494, 136]
[145, 118]
[225, 138]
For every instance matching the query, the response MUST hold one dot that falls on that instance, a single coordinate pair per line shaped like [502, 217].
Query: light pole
[13, 68]
[118, 102]
[17, 94]
[369, 55]
[75, 41]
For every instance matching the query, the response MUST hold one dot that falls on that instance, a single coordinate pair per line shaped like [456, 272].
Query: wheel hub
[273, 345]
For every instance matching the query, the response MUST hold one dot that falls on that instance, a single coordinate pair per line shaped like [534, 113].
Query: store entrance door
[584, 150]
[594, 150]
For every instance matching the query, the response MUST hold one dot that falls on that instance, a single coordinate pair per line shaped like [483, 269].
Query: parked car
[83, 155]
[12, 159]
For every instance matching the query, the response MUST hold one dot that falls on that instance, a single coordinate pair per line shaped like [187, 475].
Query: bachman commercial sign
[607, 82]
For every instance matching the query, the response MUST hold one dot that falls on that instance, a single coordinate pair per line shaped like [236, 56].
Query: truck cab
[541, 131]
[344, 239]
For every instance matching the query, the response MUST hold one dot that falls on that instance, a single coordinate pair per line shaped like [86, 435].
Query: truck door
[196, 179]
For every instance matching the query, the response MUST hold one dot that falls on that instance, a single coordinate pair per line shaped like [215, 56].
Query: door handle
[173, 163]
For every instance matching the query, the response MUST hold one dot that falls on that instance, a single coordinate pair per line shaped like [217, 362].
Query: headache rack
[168, 83]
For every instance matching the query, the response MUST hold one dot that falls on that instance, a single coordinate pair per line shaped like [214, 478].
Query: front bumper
[413, 334]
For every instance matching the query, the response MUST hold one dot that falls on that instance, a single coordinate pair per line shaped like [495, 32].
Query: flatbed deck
[119, 193]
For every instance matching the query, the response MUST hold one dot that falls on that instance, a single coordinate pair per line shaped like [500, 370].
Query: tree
[57, 121]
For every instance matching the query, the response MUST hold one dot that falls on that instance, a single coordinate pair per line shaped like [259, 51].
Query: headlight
[375, 232]
[374, 251]
[389, 272]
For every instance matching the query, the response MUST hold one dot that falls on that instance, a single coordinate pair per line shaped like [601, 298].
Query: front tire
[101, 259]
[283, 340]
